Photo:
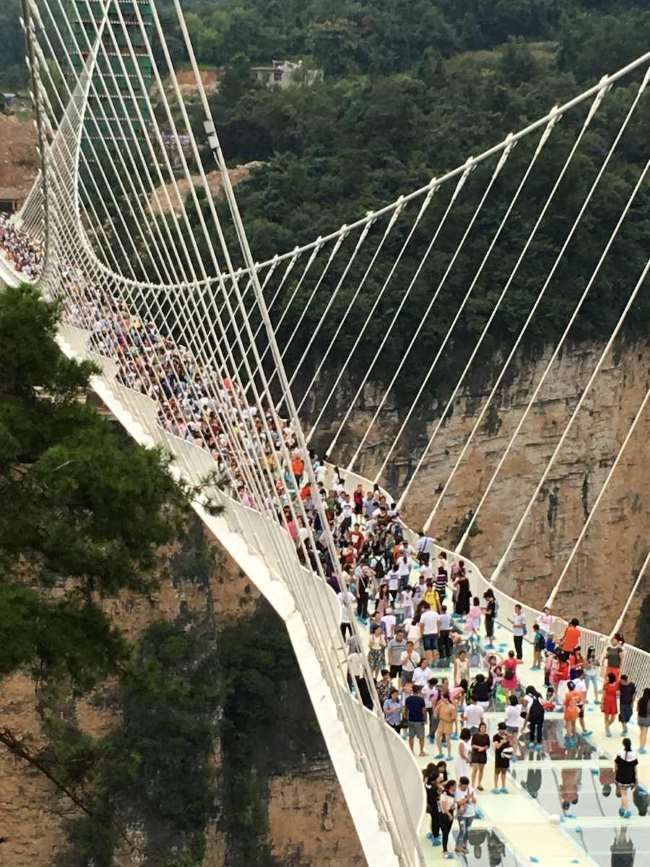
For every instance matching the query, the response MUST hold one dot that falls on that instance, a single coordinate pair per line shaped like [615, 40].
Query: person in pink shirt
[510, 680]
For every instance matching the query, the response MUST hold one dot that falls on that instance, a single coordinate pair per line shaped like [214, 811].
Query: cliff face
[607, 562]
[303, 811]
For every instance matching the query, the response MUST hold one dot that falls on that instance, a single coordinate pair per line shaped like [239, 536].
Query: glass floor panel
[487, 849]
[577, 792]
[555, 746]
[614, 847]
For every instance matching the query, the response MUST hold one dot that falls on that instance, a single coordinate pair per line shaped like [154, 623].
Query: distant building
[285, 73]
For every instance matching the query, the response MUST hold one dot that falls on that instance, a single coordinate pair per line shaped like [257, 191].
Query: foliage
[154, 772]
[410, 90]
[13, 72]
[88, 511]
[267, 722]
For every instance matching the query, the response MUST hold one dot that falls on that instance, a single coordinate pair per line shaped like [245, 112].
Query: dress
[572, 706]
[462, 766]
[610, 702]
[376, 654]
[463, 596]
[479, 757]
[510, 680]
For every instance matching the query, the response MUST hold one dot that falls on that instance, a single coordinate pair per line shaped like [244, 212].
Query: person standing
[346, 601]
[571, 709]
[643, 719]
[571, 638]
[462, 593]
[591, 670]
[466, 812]
[502, 755]
[393, 711]
[429, 632]
[625, 769]
[518, 622]
[432, 786]
[445, 713]
[490, 612]
[626, 693]
[535, 719]
[480, 746]
[539, 643]
[396, 647]
[610, 701]
[473, 715]
[545, 622]
[424, 548]
[444, 630]
[409, 661]
[462, 762]
[613, 657]
[447, 805]
[415, 710]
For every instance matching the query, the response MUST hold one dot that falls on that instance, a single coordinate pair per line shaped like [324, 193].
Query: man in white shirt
[421, 675]
[429, 632]
[410, 660]
[545, 621]
[465, 811]
[425, 548]
[388, 622]
[473, 716]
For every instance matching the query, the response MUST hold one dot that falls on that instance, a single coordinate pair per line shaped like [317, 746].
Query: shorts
[407, 676]
[416, 729]
[430, 642]
[395, 670]
[644, 722]
[625, 713]
[445, 727]
[513, 730]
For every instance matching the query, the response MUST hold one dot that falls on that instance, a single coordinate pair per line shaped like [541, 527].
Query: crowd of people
[431, 650]
[24, 255]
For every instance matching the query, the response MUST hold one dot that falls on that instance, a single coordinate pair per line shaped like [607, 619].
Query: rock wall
[308, 820]
[607, 562]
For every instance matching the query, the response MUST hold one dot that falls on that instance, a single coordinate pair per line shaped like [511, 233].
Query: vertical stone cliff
[607, 562]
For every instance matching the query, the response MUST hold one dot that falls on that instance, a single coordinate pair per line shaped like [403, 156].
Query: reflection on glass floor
[554, 744]
[615, 847]
[577, 792]
[487, 849]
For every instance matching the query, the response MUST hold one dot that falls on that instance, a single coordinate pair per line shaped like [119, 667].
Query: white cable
[601, 492]
[577, 309]
[574, 414]
[513, 273]
[619, 622]
[423, 319]
[332, 343]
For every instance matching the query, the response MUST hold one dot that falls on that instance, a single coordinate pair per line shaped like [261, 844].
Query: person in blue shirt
[393, 711]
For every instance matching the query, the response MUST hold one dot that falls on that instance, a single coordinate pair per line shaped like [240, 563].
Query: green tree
[89, 511]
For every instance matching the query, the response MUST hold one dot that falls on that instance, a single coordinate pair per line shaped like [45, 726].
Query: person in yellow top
[431, 597]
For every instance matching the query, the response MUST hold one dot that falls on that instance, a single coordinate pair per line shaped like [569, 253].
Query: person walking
[625, 769]
[461, 668]
[613, 657]
[610, 701]
[429, 632]
[462, 592]
[539, 644]
[414, 707]
[376, 651]
[396, 647]
[643, 719]
[409, 661]
[480, 746]
[626, 693]
[490, 612]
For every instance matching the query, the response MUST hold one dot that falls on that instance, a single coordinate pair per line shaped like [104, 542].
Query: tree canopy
[85, 512]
